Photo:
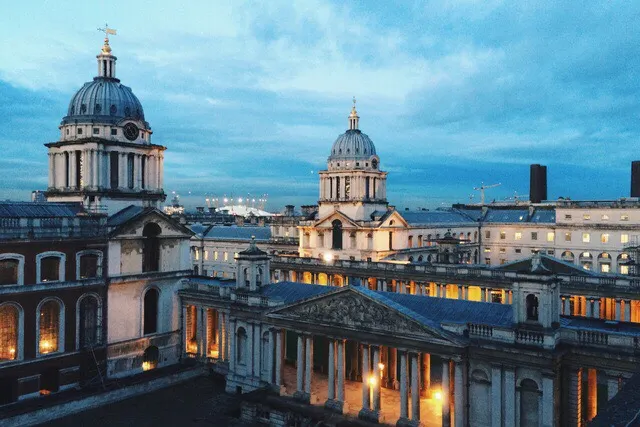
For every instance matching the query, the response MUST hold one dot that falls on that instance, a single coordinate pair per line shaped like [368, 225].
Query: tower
[104, 157]
[253, 268]
[353, 182]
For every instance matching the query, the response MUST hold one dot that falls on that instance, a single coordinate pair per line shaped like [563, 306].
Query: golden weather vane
[106, 30]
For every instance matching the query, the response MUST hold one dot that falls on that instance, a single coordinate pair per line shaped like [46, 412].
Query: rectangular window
[605, 217]
[50, 269]
[624, 238]
[215, 255]
[605, 268]
[517, 235]
[586, 217]
[226, 256]
[586, 238]
[197, 254]
[206, 256]
[114, 170]
[518, 250]
[79, 131]
[604, 238]
[503, 261]
[487, 250]
[114, 132]
[551, 252]
[624, 217]
[624, 269]
[487, 234]
[567, 216]
[551, 236]
[503, 235]
[96, 131]
[534, 235]
[567, 236]
[503, 250]
[487, 261]
[88, 266]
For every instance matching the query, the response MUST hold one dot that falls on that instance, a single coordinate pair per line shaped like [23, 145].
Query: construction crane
[482, 188]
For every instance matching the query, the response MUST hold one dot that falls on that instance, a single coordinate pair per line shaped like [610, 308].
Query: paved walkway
[198, 402]
[430, 409]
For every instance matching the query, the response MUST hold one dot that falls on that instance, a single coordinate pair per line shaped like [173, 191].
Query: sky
[249, 96]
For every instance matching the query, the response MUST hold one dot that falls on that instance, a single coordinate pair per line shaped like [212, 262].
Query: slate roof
[39, 210]
[623, 409]
[507, 215]
[435, 217]
[125, 215]
[600, 325]
[290, 292]
[551, 264]
[234, 232]
[544, 216]
[213, 281]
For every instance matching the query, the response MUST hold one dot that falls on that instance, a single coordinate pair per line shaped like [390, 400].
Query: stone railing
[480, 330]
[592, 337]
[529, 337]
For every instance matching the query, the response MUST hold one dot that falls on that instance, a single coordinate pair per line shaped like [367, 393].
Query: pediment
[348, 308]
[398, 220]
[168, 226]
[327, 220]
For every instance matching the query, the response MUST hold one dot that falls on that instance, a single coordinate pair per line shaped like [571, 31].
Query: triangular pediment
[352, 309]
[394, 220]
[327, 220]
[135, 225]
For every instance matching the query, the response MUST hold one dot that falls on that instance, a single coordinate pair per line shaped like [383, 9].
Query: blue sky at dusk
[249, 96]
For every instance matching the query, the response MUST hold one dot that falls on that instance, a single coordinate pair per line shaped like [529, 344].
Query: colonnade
[95, 170]
[615, 308]
[580, 378]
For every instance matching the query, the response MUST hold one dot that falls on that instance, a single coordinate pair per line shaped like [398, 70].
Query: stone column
[72, 169]
[52, 168]
[547, 401]
[566, 305]
[496, 396]
[232, 346]
[575, 397]
[404, 392]
[340, 370]
[365, 377]
[415, 388]
[596, 308]
[376, 374]
[483, 294]
[460, 401]
[308, 364]
[95, 180]
[250, 342]
[384, 285]
[589, 307]
[460, 296]
[509, 397]
[202, 333]
[270, 368]
[592, 393]
[627, 310]
[300, 365]
[279, 357]
[426, 373]
[446, 395]
[122, 183]
[393, 368]
[618, 314]
[331, 392]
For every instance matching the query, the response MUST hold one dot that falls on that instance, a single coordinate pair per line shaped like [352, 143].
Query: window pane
[9, 271]
[49, 269]
[88, 266]
[89, 332]
[49, 327]
[8, 332]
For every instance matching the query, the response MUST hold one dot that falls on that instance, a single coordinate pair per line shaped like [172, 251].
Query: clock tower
[104, 157]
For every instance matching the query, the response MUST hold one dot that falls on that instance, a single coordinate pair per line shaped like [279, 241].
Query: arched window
[88, 264]
[50, 266]
[151, 247]
[265, 351]
[568, 256]
[529, 403]
[150, 319]
[241, 345]
[11, 269]
[336, 234]
[259, 277]
[411, 259]
[191, 331]
[89, 322]
[352, 240]
[420, 258]
[9, 332]
[532, 307]
[150, 358]
[50, 327]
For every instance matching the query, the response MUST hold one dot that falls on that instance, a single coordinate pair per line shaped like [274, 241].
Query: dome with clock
[105, 158]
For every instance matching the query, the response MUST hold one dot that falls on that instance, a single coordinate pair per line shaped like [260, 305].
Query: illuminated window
[226, 256]
[49, 327]
[567, 236]
[487, 250]
[206, 255]
[624, 269]
[586, 238]
[191, 344]
[197, 253]
[604, 238]
[605, 217]
[624, 238]
[586, 217]
[605, 268]
[534, 235]
[551, 236]
[517, 235]
[503, 235]
[9, 332]
[215, 255]
[624, 217]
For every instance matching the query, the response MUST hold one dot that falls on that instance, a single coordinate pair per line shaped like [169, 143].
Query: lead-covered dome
[104, 100]
[353, 144]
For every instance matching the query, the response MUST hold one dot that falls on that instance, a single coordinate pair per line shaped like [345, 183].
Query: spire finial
[353, 117]
[106, 49]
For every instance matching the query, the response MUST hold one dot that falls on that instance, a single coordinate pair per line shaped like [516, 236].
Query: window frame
[20, 259]
[61, 327]
[95, 252]
[142, 311]
[61, 266]
[99, 319]
[20, 344]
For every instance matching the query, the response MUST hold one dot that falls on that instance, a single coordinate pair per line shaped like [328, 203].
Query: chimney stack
[538, 183]
[635, 178]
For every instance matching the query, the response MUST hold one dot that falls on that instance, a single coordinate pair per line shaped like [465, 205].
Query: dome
[352, 145]
[104, 100]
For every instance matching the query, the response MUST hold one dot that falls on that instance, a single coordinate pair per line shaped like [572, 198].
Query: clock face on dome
[130, 131]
